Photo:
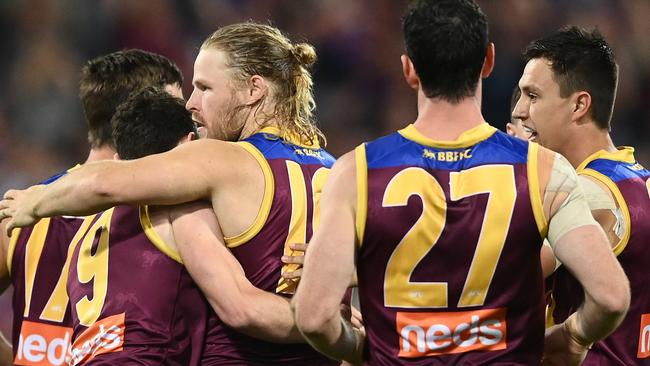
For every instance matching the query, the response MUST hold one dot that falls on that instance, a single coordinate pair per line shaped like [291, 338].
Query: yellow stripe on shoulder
[620, 201]
[362, 191]
[156, 240]
[535, 190]
[267, 200]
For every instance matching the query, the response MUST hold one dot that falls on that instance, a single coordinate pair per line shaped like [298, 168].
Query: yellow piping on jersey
[550, 309]
[362, 191]
[467, 138]
[267, 199]
[622, 243]
[155, 239]
[15, 233]
[625, 154]
[534, 189]
[292, 138]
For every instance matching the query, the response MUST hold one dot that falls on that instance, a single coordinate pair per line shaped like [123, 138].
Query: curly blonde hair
[259, 49]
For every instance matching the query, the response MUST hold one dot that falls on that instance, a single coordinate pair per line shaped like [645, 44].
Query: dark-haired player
[568, 91]
[36, 256]
[444, 220]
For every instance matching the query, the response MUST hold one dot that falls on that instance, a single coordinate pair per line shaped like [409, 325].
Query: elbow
[616, 302]
[312, 319]
[239, 318]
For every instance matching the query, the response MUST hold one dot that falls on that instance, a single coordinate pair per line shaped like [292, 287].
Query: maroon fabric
[49, 267]
[261, 259]
[622, 346]
[165, 314]
[516, 287]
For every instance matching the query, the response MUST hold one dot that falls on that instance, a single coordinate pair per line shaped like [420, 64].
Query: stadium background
[360, 93]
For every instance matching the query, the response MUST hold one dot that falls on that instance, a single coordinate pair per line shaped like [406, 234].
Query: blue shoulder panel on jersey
[54, 178]
[618, 170]
[396, 150]
[273, 147]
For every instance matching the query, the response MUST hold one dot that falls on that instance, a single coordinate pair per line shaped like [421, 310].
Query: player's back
[42, 325]
[294, 178]
[629, 183]
[448, 268]
[132, 300]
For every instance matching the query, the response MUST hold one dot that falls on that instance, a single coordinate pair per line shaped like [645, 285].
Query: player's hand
[296, 260]
[18, 206]
[560, 349]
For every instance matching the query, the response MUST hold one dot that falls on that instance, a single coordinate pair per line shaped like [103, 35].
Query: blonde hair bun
[305, 54]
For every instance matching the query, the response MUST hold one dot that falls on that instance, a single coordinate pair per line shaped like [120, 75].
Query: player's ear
[510, 130]
[488, 64]
[187, 138]
[411, 77]
[581, 105]
[257, 89]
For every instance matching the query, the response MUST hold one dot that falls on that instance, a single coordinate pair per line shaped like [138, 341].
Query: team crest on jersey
[434, 334]
[105, 336]
[42, 344]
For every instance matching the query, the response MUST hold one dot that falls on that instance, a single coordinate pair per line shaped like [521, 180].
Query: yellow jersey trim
[362, 191]
[550, 308]
[15, 233]
[292, 138]
[467, 138]
[267, 199]
[624, 154]
[534, 189]
[622, 243]
[154, 238]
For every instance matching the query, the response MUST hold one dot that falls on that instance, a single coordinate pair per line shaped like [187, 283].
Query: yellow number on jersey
[94, 267]
[298, 223]
[647, 184]
[496, 180]
[57, 304]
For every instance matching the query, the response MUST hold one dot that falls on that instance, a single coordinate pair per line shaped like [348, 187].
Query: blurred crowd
[360, 93]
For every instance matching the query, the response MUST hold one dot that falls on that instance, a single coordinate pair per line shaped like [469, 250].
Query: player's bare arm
[197, 170]
[329, 265]
[236, 301]
[581, 245]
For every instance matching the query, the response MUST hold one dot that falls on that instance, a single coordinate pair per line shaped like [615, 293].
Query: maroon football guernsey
[131, 303]
[36, 258]
[449, 268]
[42, 326]
[630, 185]
[296, 174]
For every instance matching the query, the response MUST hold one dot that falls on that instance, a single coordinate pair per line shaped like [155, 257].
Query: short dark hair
[581, 60]
[150, 121]
[447, 42]
[514, 98]
[108, 80]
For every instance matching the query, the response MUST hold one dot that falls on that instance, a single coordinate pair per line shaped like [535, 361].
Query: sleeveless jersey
[630, 185]
[131, 298]
[42, 326]
[449, 267]
[294, 178]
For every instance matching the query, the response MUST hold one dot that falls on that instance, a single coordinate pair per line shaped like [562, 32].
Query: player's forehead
[537, 75]
[210, 65]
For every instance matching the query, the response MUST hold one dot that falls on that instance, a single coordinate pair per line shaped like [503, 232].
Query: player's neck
[587, 141]
[444, 121]
[100, 153]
